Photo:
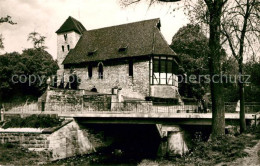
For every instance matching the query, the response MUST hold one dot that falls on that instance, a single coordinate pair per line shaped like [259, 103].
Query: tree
[16, 69]
[37, 40]
[229, 71]
[252, 90]
[214, 10]
[1, 41]
[39, 63]
[8, 63]
[6, 19]
[241, 28]
[191, 45]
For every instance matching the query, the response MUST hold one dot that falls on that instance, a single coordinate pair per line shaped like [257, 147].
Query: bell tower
[67, 37]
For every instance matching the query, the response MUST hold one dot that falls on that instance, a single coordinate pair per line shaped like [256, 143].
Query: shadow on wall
[138, 141]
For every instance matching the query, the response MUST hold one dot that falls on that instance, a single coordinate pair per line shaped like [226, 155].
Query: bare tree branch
[37, 40]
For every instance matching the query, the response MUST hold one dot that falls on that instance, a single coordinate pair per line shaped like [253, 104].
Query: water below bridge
[130, 144]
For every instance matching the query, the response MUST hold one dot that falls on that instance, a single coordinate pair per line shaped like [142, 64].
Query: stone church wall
[116, 76]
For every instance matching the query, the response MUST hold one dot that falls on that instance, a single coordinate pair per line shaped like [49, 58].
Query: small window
[62, 48]
[123, 49]
[100, 71]
[159, 25]
[131, 72]
[89, 71]
[163, 64]
[91, 53]
[68, 46]
[169, 66]
[156, 65]
[65, 37]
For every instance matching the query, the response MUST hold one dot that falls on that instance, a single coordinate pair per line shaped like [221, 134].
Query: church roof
[71, 24]
[133, 39]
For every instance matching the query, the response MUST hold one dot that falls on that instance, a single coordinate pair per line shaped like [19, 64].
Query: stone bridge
[167, 119]
[130, 113]
[154, 118]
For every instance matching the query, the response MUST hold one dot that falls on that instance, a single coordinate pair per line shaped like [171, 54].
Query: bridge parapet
[137, 107]
[111, 108]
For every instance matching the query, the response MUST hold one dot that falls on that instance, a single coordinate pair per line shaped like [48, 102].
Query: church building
[133, 57]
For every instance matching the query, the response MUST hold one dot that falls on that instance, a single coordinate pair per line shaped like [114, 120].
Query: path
[251, 160]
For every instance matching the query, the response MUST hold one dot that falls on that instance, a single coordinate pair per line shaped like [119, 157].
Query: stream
[133, 143]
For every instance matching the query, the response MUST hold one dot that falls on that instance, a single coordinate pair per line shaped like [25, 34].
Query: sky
[46, 16]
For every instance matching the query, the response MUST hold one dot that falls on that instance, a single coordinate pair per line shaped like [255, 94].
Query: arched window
[65, 37]
[74, 81]
[62, 48]
[100, 71]
[131, 71]
[89, 71]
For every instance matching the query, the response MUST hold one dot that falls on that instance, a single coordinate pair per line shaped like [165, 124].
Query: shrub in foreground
[33, 121]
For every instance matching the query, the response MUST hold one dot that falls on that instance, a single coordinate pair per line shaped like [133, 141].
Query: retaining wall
[66, 141]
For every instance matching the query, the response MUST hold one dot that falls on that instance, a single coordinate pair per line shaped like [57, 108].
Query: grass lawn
[14, 155]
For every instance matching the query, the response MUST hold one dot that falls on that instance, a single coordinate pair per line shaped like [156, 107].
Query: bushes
[226, 148]
[257, 131]
[223, 149]
[33, 121]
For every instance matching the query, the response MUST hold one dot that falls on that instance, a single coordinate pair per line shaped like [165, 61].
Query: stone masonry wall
[60, 100]
[97, 102]
[68, 141]
[75, 100]
[26, 140]
[164, 91]
[117, 76]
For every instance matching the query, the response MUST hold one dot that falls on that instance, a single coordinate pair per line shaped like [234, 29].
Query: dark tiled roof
[139, 39]
[71, 24]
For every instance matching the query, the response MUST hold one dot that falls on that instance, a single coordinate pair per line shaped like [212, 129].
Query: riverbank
[227, 150]
[253, 157]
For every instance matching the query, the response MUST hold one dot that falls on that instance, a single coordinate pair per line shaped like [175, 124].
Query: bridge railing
[20, 107]
[83, 107]
[122, 107]
[250, 107]
[155, 107]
